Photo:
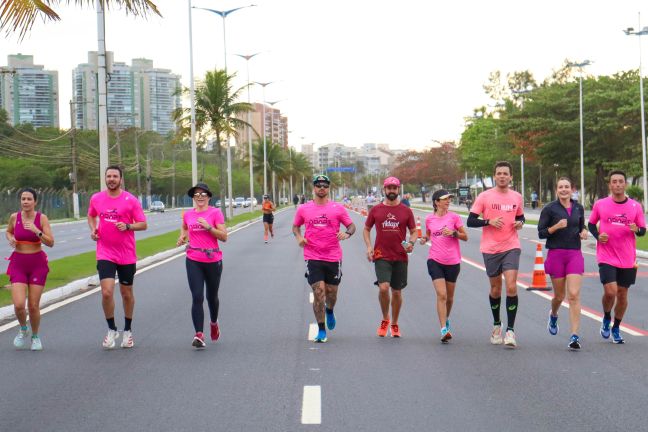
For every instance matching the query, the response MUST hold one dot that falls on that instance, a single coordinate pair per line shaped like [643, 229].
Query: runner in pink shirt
[619, 220]
[113, 216]
[201, 229]
[322, 251]
[503, 215]
[444, 229]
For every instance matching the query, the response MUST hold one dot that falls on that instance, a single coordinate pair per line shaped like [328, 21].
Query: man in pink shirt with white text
[113, 216]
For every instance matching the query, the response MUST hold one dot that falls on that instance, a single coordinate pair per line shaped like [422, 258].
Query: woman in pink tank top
[26, 232]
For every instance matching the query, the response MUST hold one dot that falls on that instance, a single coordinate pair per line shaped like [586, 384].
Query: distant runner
[619, 220]
[322, 251]
[503, 216]
[113, 216]
[267, 207]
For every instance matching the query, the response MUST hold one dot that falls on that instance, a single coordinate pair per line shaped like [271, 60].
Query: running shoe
[616, 336]
[272, 234]
[509, 339]
[20, 341]
[36, 344]
[330, 320]
[445, 335]
[321, 337]
[127, 339]
[214, 331]
[448, 325]
[265, 238]
[382, 329]
[552, 324]
[198, 340]
[109, 339]
[574, 343]
[605, 329]
[496, 335]
[395, 331]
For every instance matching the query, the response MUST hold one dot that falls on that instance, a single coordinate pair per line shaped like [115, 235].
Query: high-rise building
[138, 95]
[276, 126]
[28, 92]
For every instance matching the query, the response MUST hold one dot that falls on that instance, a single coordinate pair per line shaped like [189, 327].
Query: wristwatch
[455, 233]
[40, 234]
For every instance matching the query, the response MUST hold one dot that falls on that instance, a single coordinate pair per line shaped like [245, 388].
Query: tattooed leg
[331, 295]
[318, 300]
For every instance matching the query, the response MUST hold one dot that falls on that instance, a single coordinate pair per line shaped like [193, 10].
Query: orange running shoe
[382, 330]
[395, 331]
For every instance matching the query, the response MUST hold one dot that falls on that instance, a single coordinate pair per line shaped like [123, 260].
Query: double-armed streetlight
[247, 58]
[580, 66]
[631, 32]
[265, 153]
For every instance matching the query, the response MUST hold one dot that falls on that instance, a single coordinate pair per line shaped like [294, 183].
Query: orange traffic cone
[539, 282]
[418, 226]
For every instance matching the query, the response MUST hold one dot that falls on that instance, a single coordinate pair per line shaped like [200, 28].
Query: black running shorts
[125, 272]
[624, 277]
[318, 271]
[268, 218]
[449, 273]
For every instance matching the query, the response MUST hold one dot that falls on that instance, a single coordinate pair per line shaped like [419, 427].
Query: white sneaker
[509, 339]
[109, 339]
[496, 335]
[36, 344]
[127, 339]
[20, 341]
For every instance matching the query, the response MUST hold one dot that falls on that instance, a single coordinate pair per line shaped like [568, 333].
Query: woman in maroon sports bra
[26, 232]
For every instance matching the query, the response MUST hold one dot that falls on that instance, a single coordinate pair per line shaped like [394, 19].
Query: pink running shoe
[215, 331]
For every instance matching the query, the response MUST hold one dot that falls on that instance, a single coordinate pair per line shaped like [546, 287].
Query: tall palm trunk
[221, 175]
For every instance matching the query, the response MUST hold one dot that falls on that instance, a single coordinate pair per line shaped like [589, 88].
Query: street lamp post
[272, 117]
[194, 151]
[265, 152]
[249, 127]
[644, 31]
[580, 66]
[224, 14]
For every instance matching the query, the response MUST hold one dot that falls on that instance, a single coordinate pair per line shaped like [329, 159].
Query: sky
[404, 73]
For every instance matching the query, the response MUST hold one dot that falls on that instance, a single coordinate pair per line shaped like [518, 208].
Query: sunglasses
[201, 194]
[322, 186]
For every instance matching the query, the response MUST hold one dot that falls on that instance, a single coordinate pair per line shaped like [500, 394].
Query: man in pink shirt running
[619, 220]
[503, 216]
[322, 251]
[113, 216]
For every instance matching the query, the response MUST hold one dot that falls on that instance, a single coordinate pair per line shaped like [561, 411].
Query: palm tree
[218, 112]
[19, 15]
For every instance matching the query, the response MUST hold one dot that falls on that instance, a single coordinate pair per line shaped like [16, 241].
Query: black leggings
[201, 275]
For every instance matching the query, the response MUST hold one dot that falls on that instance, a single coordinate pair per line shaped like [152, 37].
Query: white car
[157, 206]
[239, 202]
[250, 202]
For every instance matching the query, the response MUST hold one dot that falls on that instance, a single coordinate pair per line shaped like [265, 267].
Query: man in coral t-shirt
[619, 220]
[389, 254]
[503, 215]
[113, 215]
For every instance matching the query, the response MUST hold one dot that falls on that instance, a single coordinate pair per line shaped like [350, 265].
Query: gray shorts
[498, 263]
[394, 272]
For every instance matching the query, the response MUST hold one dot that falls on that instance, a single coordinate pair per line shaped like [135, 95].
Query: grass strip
[71, 268]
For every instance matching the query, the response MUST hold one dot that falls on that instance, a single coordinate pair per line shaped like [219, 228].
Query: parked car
[228, 202]
[157, 206]
[239, 202]
[250, 202]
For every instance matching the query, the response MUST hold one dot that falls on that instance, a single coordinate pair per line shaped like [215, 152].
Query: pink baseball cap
[391, 181]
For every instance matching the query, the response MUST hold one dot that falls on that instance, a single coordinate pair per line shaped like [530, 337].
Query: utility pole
[173, 180]
[148, 176]
[73, 175]
[138, 168]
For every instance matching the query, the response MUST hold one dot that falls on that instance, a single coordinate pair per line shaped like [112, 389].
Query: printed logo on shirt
[390, 223]
[196, 227]
[320, 221]
[621, 219]
[110, 215]
[504, 207]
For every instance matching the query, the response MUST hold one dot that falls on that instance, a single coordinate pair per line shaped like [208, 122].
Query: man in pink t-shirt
[619, 220]
[322, 251]
[502, 216]
[113, 216]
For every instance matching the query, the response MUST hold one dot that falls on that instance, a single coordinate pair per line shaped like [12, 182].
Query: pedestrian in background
[202, 227]
[27, 231]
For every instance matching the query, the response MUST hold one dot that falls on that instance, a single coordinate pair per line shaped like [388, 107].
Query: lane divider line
[312, 405]
[585, 311]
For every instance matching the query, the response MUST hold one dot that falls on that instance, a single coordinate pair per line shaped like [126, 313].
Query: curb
[80, 286]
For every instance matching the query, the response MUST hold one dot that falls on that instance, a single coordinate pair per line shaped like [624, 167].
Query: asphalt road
[256, 377]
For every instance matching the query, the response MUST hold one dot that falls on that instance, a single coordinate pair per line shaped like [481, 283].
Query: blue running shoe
[616, 336]
[330, 320]
[574, 342]
[605, 329]
[552, 324]
[321, 337]
[448, 325]
[445, 335]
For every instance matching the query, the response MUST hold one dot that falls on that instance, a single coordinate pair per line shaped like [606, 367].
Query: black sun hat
[202, 186]
[441, 194]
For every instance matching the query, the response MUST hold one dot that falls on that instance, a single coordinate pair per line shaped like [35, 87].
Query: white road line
[549, 297]
[311, 298]
[312, 405]
[79, 238]
[61, 241]
[313, 329]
